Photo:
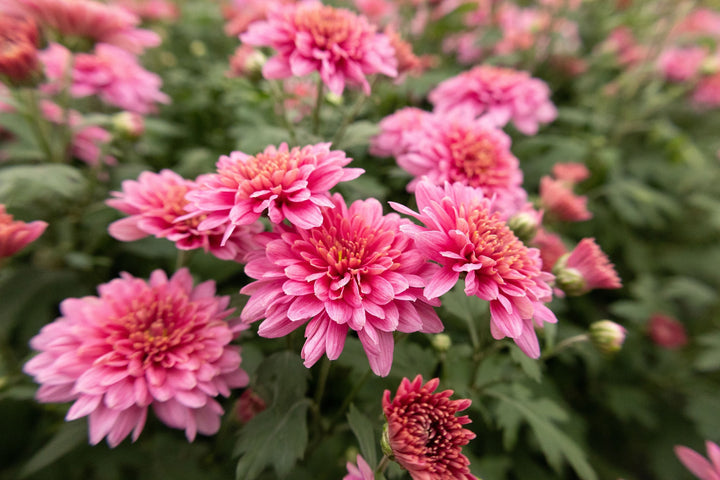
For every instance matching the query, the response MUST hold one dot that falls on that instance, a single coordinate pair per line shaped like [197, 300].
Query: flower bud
[334, 99]
[524, 225]
[247, 62]
[441, 342]
[128, 124]
[569, 280]
[607, 336]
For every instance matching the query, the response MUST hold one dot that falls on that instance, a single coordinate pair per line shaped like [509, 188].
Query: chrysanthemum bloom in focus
[15, 234]
[361, 471]
[559, 201]
[398, 132]
[163, 343]
[288, 183]
[499, 95]
[463, 235]
[18, 48]
[90, 20]
[666, 331]
[423, 434]
[586, 268]
[156, 201]
[454, 148]
[700, 466]
[310, 37]
[357, 271]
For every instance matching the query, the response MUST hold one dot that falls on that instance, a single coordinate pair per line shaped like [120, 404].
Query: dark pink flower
[464, 236]
[18, 48]
[666, 331]
[356, 271]
[156, 201]
[15, 234]
[163, 343]
[248, 405]
[499, 95]
[361, 471]
[288, 183]
[310, 37]
[586, 268]
[681, 64]
[424, 432]
[558, 200]
[700, 466]
[398, 132]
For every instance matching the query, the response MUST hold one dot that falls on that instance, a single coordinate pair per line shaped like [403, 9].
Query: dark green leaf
[363, 430]
[70, 435]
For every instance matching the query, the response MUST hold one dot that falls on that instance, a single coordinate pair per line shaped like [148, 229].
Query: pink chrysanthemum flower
[551, 248]
[463, 235]
[357, 271]
[559, 201]
[679, 64]
[310, 37]
[150, 9]
[571, 172]
[472, 152]
[398, 132]
[586, 268]
[707, 92]
[289, 183]
[498, 94]
[163, 343]
[700, 466]
[92, 20]
[424, 433]
[156, 201]
[666, 331]
[18, 48]
[361, 471]
[15, 234]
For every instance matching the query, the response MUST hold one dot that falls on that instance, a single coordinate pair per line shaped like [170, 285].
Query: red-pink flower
[679, 64]
[150, 9]
[551, 248]
[666, 331]
[707, 91]
[90, 19]
[289, 183]
[558, 200]
[700, 466]
[586, 268]
[156, 201]
[499, 95]
[424, 432]
[15, 234]
[361, 471]
[464, 236]
[163, 343]
[18, 47]
[310, 37]
[398, 132]
[571, 172]
[357, 271]
[248, 405]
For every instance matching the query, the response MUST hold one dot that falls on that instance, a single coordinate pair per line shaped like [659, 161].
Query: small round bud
[334, 99]
[569, 280]
[128, 124]
[441, 342]
[607, 336]
[524, 225]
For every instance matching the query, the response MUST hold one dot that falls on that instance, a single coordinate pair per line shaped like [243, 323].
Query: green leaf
[528, 365]
[704, 410]
[410, 359]
[40, 190]
[358, 134]
[365, 434]
[709, 358]
[70, 435]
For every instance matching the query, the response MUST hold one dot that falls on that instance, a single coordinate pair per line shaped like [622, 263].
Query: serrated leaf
[70, 435]
[362, 427]
[528, 365]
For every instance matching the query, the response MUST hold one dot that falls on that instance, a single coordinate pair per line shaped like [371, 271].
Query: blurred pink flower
[248, 405]
[163, 343]
[379, 12]
[18, 47]
[463, 235]
[700, 22]
[16, 234]
[246, 60]
[621, 42]
[289, 183]
[357, 271]
[398, 131]
[666, 331]
[407, 61]
[150, 9]
[532, 29]
[92, 20]
[499, 95]
[156, 201]
[558, 199]
[571, 172]
[551, 248]
[310, 37]
[424, 432]
[681, 64]
[586, 268]
[707, 91]
[700, 466]
[362, 471]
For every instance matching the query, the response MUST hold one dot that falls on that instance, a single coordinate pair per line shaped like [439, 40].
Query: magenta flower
[700, 466]
[15, 234]
[361, 471]
[356, 271]
[463, 235]
[499, 95]
[398, 132]
[423, 432]
[156, 201]
[290, 184]
[163, 343]
[310, 37]
[586, 268]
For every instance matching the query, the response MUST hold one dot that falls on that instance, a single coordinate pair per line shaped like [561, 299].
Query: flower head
[424, 433]
[700, 466]
[18, 47]
[607, 336]
[559, 201]
[679, 64]
[666, 331]
[464, 236]
[163, 343]
[571, 172]
[15, 234]
[707, 91]
[288, 183]
[498, 94]
[361, 471]
[586, 268]
[551, 248]
[310, 37]
[398, 131]
[156, 201]
[356, 271]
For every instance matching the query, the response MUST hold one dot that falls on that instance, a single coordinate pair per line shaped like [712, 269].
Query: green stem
[349, 398]
[279, 97]
[183, 258]
[38, 124]
[318, 105]
[322, 380]
[352, 113]
[565, 344]
[384, 462]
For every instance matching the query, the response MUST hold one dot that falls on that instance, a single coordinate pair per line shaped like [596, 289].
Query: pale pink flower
[93, 20]
[379, 12]
[289, 183]
[246, 61]
[532, 29]
[586, 268]
[424, 432]
[700, 22]
[300, 97]
[700, 466]
[666, 331]
[151, 9]
[156, 201]
[163, 343]
[466, 45]
[16, 234]
[571, 172]
[310, 37]
[241, 13]
[679, 64]
[357, 271]
[361, 471]
[707, 91]
[621, 42]
[464, 236]
[558, 199]
[398, 132]
[499, 95]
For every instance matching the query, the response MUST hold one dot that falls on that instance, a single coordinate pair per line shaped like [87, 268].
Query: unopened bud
[128, 124]
[524, 225]
[607, 336]
[441, 342]
[569, 280]
[334, 99]
[385, 443]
